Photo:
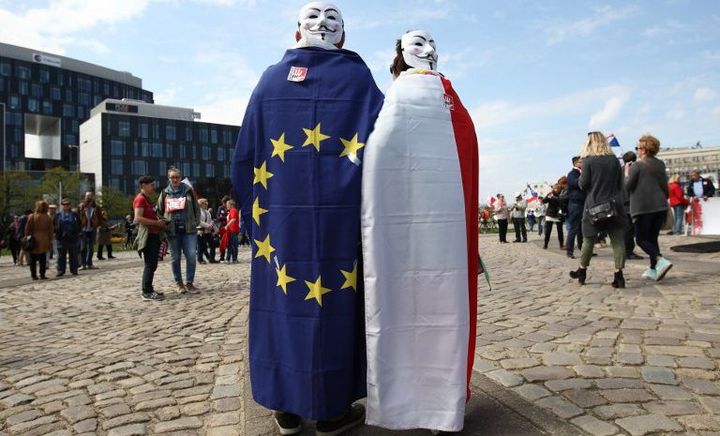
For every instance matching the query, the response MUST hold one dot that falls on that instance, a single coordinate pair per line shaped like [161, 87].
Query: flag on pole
[612, 140]
[533, 195]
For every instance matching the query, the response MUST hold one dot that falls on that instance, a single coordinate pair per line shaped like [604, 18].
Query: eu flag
[297, 177]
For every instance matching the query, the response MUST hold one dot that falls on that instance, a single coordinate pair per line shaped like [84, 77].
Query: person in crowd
[647, 184]
[204, 233]
[104, 237]
[91, 218]
[501, 215]
[233, 227]
[575, 206]
[530, 216]
[222, 211]
[517, 213]
[553, 216]
[540, 209]
[148, 238]
[40, 227]
[629, 158]
[129, 231]
[283, 158]
[67, 230]
[52, 254]
[602, 181]
[678, 203]
[13, 239]
[699, 187]
[22, 223]
[178, 204]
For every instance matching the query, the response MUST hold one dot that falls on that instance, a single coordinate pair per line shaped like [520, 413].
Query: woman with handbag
[647, 184]
[678, 203]
[602, 179]
[38, 238]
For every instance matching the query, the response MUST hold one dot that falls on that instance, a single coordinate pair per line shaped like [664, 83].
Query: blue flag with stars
[297, 176]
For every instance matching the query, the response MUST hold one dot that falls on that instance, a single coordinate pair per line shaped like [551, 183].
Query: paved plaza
[85, 355]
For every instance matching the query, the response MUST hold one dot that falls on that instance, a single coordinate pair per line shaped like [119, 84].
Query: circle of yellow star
[316, 290]
[280, 147]
[257, 211]
[264, 248]
[262, 175]
[351, 146]
[314, 137]
[283, 278]
[350, 278]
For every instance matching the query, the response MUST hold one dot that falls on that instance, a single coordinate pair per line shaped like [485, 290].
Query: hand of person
[161, 224]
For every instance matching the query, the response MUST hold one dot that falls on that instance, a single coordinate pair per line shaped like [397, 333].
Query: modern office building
[46, 97]
[683, 160]
[126, 139]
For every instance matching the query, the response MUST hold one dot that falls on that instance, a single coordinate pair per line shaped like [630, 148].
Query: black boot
[619, 280]
[580, 274]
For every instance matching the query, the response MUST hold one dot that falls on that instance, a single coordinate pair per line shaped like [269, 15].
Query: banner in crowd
[705, 217]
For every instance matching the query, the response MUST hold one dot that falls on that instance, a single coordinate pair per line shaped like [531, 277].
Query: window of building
[55, 93]
[70, 139]
[170, 132]
[156, 130]
[203, 132]
[84, 98]
[23, 88]
[14, 102]
[81, 112]
[205, 152]
[5, 69]
[145, 149]
[220, 153]
[157, 149]
[144, 131]
[188, 133]
[186, 167]
[227, 137]
[84, 84]
[114, 182]
[124, 128]
[139, 167]
[60, 78]
[117, 147]
[22, 72]
[68, 96]
[181, 151]
[196, 168]
[33, 105]
[106, 89]
[116, 166]
[209, 170]
[193, 152]
[213, 136]
[97, 98]
[44, 75]
[47, 107]
[36, 90]
[2, 84]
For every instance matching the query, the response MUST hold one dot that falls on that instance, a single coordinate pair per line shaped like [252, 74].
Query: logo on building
[47, 60]
[121, 107]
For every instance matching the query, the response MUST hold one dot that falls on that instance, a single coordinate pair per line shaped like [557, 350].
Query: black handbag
[27, 243]
[601, 212]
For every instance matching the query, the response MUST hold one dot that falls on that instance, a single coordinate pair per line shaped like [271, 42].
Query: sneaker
[181, 287]
[662, 267]
[288, 423]
[152, 296]
[191, 288]
[355, 416]
[650, 274]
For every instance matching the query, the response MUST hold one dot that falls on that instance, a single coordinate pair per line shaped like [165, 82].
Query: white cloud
[675, 114]
[52, 28]
[599, 120]
[602, 17]
[704, 94]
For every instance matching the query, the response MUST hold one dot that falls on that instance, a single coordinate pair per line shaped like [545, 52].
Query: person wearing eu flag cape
[420, 247]
[296, 175]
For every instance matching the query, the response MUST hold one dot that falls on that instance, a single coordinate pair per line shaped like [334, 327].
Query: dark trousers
[629, 236]
[36, 259]
[548, 232]
[519, 225]
[204, 242]
[647, 229]
[150, 257]
[574, 227]
[86, 250]
[502, 229]
[100, 250]
[233, 247]
[67, 250]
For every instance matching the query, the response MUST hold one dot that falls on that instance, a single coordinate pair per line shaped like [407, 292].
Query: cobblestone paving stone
[637, 361]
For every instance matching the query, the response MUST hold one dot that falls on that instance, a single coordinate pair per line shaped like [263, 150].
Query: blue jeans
[67, 250]
[187, 243]
[573, 223]
[233, 247]
[86, 249]
[679, 218]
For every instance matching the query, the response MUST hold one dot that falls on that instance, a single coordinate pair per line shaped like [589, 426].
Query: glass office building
[46, 97]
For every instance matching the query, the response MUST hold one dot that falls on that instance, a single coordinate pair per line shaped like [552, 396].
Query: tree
[58, 183]
[115, 202]
[14, 193]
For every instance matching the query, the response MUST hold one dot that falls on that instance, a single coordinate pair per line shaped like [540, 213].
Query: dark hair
[629, 156]
[575, 159]
[224, 199]
[398, 65]
[146, 179]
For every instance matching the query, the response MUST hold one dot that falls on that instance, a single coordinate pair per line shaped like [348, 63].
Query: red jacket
[676, 195]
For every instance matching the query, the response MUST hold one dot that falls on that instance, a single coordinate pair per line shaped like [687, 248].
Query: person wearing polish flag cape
[420, 247]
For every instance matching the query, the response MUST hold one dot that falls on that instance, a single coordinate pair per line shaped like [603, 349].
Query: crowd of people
[600, 197]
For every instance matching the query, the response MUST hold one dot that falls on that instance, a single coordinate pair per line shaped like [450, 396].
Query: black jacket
[67, 231]
[554, 206]
[575, 194]
[708, 188]
[602, 180]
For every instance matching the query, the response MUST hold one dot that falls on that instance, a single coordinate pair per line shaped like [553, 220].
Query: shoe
[58, 275]
[202, 262]
[111, 257]
[618, 280]
[562, 247]
[92, 267]
[191, 288]
[580, 274]
[517, 240]
[100, 258]
[73, 273]
[43, 278]
[570, 256]
[670, 233]
[544, 247]
[213, 261]
[152, 296]
[181, 287]
[34, 278]
[354, 417]
[83, 267]
[633, 256]
[649, 274]
[662, 267]
[288, 423]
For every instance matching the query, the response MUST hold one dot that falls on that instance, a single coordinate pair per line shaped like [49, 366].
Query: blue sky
[536, 75]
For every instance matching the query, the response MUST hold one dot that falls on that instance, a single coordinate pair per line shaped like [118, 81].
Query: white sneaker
[662, 267]
[650, 274]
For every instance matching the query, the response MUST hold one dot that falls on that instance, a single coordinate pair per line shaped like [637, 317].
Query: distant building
[46, 97]
[683, 160]
[125, 139]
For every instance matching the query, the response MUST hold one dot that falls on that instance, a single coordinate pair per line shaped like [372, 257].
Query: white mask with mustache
[320, 24]
[418, 50]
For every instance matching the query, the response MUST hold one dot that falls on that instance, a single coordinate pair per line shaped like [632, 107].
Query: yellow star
[283, 279]
[262, 175]
[316, 290]
[314, 137]
[257, 210]
[351, 147]
[280, 147]
[264, 248]
[350, 278]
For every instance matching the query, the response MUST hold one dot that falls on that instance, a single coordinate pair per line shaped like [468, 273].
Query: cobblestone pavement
[86, 355]
[635, 361]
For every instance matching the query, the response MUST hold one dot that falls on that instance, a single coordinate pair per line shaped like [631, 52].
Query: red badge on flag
[449, 102]
[297, 74]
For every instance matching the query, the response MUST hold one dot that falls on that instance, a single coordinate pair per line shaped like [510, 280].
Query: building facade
[46, 97]
[683, 160]
[126, 139]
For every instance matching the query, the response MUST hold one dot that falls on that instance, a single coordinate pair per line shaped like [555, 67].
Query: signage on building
[47, 60]
[121, 107]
